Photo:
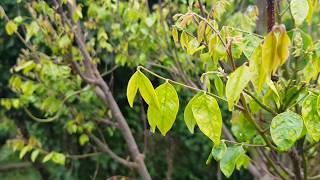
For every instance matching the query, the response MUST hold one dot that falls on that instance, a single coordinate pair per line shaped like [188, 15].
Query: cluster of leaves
[266, 57]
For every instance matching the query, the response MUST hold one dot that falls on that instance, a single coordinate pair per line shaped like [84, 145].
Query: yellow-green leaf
[83, 139]
[132, 88]
[188, 115]
[164, 116]
[283, 47]
[47, 157]
[201, 30]
[207, 114]
[259, 76]
[237, 81]
[286, 129]
[58, 158]
[24, 151]
[311, 117]
[11, 28]
[34, 155]
[269, 53]
[184, 40]
[146, 90]
[175, 35]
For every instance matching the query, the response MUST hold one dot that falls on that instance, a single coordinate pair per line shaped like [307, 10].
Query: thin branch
[265, 107]
[83, 156]
[104, 147]
[244, 144]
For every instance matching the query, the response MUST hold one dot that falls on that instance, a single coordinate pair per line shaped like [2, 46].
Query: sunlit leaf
[164, 116]
[146, 90]
[34, 155]
[237, 81]
[207, 114]
[132, 88]
[188, 115]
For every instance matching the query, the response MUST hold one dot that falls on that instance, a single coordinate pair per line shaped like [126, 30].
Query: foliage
[67, 84]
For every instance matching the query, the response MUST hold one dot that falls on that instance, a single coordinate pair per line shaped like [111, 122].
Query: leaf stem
[184, 85]
[244, 144]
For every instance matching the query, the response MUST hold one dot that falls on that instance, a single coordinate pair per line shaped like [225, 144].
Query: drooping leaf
[229, 160]
[275, 49]
[164, 116]
[218, 152]
[34, 155]
[175, 35]
[299, 10]
[132, 88]
[184, 40]
[283, 43]
[24, 151]
[207, 114]
[188, 115]
[47, 157]
[146, 90]
[286, 129]
[237, 81]
[259, 76]
[201, 30]
[218, 84]
[311, 117]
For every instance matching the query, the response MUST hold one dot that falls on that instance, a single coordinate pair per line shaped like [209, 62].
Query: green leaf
[237, 81]
[241, 127]
[164, 116]
[47, 157]
[146, 90]
[259, 76]
[83, 139]
[59, 158]
[311, 117]
[24, 151]
[207, 114]
[188, 115]
[243, 161]
[132, 88]
[229, 160]
[218, 152]
[286, 129]
[218, 84]
[11, 28]
[34, 155]
[299, 10]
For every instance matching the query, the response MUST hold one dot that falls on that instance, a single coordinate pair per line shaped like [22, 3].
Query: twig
[104, 147]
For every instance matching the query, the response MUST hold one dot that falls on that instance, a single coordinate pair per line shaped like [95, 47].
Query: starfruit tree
[267, 79]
